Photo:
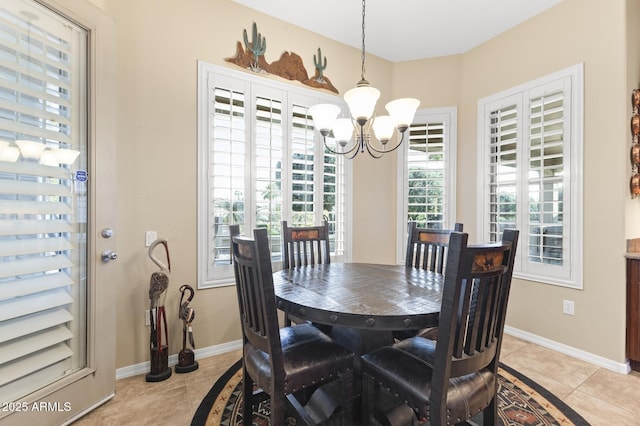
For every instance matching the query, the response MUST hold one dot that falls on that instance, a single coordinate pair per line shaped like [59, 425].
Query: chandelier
[362, 103]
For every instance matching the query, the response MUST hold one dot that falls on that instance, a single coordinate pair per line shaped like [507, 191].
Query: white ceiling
[403, 30]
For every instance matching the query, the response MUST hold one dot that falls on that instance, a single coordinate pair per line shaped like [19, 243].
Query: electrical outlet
[150, 237]
[147, 319]
[568, 307]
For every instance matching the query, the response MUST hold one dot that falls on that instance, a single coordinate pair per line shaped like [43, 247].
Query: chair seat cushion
[310, 357]
[406, 368]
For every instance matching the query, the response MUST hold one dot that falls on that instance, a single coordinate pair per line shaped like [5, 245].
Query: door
[57, 319]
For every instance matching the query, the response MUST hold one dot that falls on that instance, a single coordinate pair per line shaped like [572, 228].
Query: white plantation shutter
[42, 235]
[503, 169]
[303, 169]
[427, 170]
[226, 183]
[531, 154]
[269, 156]
[546, 165]
[427, 175]
[261, 161]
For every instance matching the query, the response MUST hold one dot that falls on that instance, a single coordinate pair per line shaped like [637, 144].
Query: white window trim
[575, 74]
[449, 116]
[203, 114]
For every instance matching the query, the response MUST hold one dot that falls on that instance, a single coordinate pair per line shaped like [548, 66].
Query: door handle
[109, 255]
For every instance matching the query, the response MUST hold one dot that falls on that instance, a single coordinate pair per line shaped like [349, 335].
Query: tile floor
[602, 397]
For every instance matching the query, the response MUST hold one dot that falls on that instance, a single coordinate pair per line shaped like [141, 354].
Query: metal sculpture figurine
[186, 357]
[159, 340]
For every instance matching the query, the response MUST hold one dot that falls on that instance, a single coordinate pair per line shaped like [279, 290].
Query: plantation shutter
[269, 145]
[503, 170]
[427, 175]
[546, 165]
[257, 152]
[226, 159]
[42, 208]
[302, 168]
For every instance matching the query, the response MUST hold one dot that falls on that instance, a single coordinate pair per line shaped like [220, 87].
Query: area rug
[521, 401]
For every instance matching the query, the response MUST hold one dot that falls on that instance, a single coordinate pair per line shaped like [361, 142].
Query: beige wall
[159, 42]
[576, 31]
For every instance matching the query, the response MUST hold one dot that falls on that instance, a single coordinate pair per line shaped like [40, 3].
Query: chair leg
[368, 398]
[278, 403]
[247, 390]
[490, 414]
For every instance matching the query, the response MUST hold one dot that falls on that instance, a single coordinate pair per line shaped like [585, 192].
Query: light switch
[150, 237]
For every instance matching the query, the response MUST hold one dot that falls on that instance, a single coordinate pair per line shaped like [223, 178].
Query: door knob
[109, 255]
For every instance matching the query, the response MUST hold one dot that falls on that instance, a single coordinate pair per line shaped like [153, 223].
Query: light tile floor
[602, 397]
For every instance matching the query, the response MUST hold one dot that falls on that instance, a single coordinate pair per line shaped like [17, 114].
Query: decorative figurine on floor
[159, 340]
[186, 357]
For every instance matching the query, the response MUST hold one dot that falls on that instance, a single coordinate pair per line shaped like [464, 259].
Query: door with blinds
[56, 318]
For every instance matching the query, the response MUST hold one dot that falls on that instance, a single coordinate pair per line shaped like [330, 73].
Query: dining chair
[306, 245]
[288, 363]
[451, 380]
[302, 246]
[427, 248]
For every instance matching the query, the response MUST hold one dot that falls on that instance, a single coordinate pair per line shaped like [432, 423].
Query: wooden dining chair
[288, 363]
[302, 246]
[451, 380]
[306, 245]
[427, 248]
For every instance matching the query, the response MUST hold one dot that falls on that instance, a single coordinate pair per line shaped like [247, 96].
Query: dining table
[361, 305]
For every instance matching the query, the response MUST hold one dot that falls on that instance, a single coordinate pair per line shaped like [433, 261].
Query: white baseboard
[143, 367]
[618, 367]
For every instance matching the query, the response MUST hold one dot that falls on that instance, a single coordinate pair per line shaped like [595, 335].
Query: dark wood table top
[360, 295]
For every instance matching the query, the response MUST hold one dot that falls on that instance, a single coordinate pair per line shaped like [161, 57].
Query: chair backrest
[427, 248]
[256, 296]
[302, 246]
[474, 304]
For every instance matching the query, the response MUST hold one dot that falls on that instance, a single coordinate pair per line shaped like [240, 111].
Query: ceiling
[403, 30]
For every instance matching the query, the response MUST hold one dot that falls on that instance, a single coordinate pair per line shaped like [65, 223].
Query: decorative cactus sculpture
[320, 65]
[257, 46]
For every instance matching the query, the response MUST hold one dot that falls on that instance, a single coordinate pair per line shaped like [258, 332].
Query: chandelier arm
[372, 151]
[384, 151]
[354, 148]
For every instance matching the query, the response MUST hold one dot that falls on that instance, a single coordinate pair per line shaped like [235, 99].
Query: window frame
[571, 82]
[253, 87]
[449, 117]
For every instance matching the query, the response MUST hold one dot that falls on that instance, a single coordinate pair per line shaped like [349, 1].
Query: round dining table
[361, 303]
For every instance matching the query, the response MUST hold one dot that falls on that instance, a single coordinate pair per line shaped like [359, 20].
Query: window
[426, 167]
[530, 157]
[260, 162]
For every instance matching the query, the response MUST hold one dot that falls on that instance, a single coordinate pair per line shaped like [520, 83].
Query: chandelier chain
[363, 50]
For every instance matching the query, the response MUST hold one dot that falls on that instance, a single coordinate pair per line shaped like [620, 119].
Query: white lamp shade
[343, 129]
[383, 127]
[362, 101]
[30, 149]
[10, 154]
[66, 156]
[324, 116]
[402, 110]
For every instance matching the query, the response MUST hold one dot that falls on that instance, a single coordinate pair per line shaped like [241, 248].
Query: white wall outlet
[568, 307]
[150, 237]
[147, 319]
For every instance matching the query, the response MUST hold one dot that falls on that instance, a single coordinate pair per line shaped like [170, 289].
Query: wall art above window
[289, 66]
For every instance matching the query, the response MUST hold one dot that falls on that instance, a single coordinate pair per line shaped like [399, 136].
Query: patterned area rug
[521, 402]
